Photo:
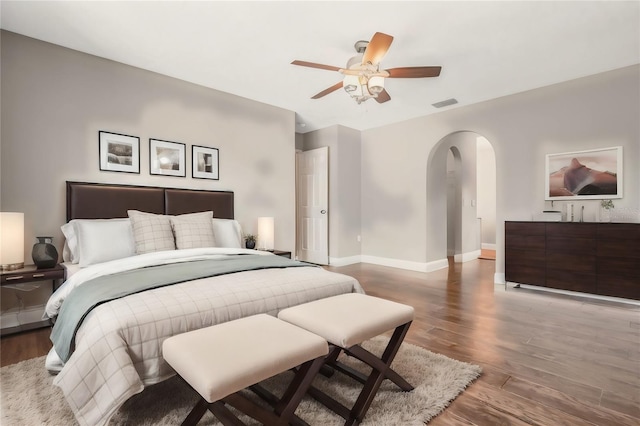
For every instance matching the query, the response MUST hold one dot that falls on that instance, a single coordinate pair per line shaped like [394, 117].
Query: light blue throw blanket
[110, 287]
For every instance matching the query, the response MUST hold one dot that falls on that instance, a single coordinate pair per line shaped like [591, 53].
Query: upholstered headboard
[106, 201]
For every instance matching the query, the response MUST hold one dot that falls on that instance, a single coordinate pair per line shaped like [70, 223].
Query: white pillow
[70, 250]
[151, 232]
[193, 230]
[90, 241]
[227, 233]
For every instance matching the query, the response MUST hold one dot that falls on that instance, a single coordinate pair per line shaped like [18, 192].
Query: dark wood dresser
[597, 258]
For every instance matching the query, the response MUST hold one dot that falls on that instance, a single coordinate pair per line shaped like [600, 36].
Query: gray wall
[487, 191]
[344, 187]
[399, 220]
[55, 100]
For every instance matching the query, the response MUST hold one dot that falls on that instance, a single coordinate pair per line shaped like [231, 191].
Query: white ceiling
[486, 49]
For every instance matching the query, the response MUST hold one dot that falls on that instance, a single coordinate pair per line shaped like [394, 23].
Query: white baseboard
[344, 261]
[465, 257]
[488, 246]
[575, 293]
[499, 282]
[406, 264]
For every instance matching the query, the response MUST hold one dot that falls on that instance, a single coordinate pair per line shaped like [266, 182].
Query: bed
[125, 294]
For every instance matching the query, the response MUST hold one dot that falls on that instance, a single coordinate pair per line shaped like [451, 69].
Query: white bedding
[118, 346]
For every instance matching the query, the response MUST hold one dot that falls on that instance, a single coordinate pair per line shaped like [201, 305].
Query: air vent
[445, 103]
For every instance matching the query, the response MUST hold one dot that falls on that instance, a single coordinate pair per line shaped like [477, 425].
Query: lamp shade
[351, 85]
[11, 240]
[265, 233]
[376, 85]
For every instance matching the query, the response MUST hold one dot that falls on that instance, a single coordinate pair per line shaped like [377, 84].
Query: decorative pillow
[103, 240]
[90, 241]
[151, 232]
[193, 230]
[227, 233]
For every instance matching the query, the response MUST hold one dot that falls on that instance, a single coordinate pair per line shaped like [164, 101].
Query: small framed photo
[119, 153]
[167, 158]
[205, 162]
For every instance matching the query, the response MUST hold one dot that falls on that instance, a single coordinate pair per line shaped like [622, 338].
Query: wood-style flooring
[547, 359]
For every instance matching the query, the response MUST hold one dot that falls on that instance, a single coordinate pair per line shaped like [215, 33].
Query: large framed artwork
[167, 158]
[593, 174]
[205, 163]
[119, 153]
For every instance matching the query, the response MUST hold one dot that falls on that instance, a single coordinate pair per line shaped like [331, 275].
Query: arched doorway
[461, 197]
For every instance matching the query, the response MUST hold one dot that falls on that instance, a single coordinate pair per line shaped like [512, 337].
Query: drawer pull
[19, 277]
[37, 276]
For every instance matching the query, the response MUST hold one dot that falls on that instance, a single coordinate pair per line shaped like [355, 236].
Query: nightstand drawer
[282, 253]
[30, 275]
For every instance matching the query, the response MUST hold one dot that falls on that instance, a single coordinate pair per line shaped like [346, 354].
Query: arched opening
[461, 197]
[454, 199]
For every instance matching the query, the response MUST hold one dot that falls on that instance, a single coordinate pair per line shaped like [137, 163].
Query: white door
[313, 200]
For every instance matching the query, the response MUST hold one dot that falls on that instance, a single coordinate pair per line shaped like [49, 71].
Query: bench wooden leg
[381, 370]
[298, 388]
[196, 413]
[284, 408]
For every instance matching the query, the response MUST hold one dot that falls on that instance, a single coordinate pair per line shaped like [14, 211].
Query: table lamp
[11, 241]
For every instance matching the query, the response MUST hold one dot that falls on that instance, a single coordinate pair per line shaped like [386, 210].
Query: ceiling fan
[363, 78]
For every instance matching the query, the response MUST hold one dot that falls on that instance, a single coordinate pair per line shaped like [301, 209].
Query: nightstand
[282, 253]
[30, 274]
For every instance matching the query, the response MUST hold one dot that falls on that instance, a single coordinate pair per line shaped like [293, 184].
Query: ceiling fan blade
[329, 90]
[383, 97]
[414, 72]
[377, 48]
[314, 65]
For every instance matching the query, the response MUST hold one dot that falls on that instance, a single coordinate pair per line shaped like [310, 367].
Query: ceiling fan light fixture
[363, 79]
[352, 85]
[375, 85]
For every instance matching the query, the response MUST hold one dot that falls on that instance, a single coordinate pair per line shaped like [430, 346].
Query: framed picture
[593, 174]
[119, 153]
[167, 158]
[205, 162]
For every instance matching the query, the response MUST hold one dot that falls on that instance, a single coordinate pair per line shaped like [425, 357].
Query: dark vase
[250, 244]
[44, 253]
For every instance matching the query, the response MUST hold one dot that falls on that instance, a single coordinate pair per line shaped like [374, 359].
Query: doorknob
[323, 211]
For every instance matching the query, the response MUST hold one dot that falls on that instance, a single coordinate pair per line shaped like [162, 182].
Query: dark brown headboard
[106, 201]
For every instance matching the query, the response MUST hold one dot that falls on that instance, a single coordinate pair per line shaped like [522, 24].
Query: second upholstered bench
[346, 321]
[221, 360]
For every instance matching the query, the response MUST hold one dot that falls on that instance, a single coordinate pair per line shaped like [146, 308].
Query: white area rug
[29, 398]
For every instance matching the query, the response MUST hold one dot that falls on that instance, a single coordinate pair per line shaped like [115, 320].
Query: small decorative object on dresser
[605, 210]
[44, 253]
[250, 241]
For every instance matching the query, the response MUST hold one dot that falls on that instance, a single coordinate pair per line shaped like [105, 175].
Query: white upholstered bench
[346, 321]
[221, 360]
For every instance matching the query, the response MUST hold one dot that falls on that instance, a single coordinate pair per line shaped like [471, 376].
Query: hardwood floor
[547, 359]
